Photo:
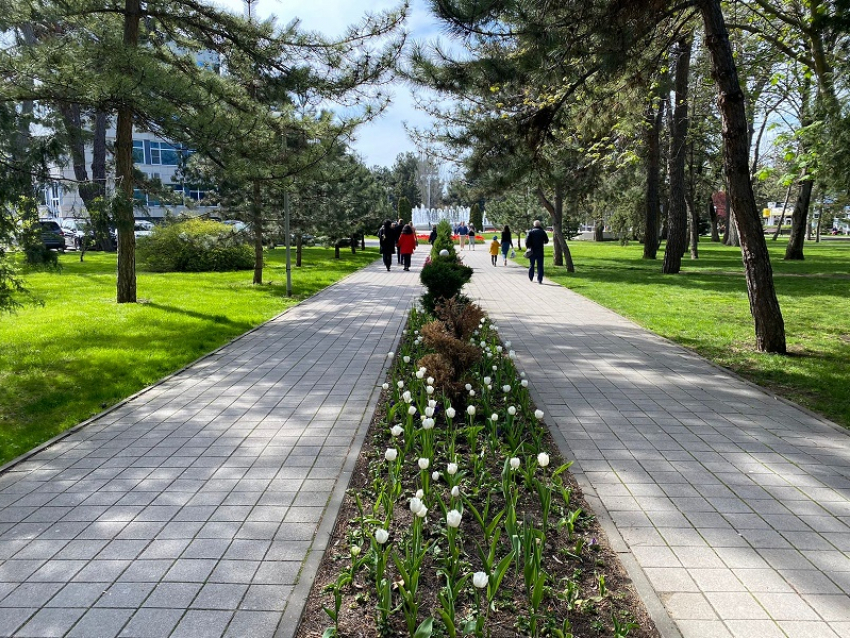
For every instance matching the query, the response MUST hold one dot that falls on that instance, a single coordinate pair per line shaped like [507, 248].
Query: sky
[380, 141]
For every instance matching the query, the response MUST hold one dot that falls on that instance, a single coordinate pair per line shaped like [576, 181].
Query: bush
[444, 239]
[196, 245]
[443, 277]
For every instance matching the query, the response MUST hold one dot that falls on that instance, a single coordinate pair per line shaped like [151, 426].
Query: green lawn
[705, 308]
[79, 352]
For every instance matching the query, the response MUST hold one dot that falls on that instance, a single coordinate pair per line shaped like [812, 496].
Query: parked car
[51, 234]
[237, 225]
[77, 232]
[142, 228]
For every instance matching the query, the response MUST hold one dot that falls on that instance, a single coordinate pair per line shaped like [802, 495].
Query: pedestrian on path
[386, 243]
[462, 231]
[433, 236]
[471, 237]
[398, 228]
[507, 243]
[406, 245]
[494, 250]
[534, 243]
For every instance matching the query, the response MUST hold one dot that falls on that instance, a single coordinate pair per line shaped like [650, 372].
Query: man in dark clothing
[536, 240]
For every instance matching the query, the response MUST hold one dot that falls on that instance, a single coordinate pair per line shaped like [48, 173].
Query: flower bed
[462, 519]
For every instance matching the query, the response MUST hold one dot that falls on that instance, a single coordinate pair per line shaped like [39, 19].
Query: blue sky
[378, 142]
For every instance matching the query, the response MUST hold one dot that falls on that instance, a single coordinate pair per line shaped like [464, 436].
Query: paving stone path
[733, 505]
[202, 506]
[191, 509]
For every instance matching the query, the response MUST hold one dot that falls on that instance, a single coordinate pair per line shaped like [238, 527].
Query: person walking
[534, 242]
[506, 244]
[386, 242]
[406, 245]
[494, 251]
[398, 228]
[462, 232]
[471, 230]
[433, 236]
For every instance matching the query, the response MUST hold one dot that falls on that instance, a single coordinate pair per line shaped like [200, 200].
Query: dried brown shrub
[460, 318]
[451, 360]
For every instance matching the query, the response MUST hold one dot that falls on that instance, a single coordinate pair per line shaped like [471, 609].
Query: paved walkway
[733, 504]
[202, 506]
[191, 509]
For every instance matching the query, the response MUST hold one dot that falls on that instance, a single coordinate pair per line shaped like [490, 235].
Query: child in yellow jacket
[495, 247]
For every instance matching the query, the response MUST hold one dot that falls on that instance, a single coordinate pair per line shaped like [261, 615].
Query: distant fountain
[426, 217]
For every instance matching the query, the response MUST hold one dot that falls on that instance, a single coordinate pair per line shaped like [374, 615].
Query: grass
[78, 351]
[706, 309]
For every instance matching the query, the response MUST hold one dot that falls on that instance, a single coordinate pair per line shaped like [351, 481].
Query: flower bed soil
[592, 617]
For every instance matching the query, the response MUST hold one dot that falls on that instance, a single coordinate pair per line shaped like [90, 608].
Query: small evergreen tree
[405, 210]
[476, 218]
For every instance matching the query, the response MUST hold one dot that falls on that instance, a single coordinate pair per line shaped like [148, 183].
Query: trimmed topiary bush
[196, 245]
[443, 277]
[444, 239]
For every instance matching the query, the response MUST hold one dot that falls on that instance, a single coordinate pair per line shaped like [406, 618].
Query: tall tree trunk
[677, 214]
[257, 229]
[764, 305]
[778, 230]
[599, 230]
[654, 119]
[124, 172]
[560, 251]
[694, 227]
[794, 250]
[712, 216]
[733, 237]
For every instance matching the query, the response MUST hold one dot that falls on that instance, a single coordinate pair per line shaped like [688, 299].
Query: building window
[164, 154]
[138, 152]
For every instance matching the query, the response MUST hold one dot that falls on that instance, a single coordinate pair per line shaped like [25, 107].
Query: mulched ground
[589, 611]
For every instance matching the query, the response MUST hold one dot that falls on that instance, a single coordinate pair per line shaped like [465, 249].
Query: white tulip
[406, 396]
[489, 387]
[381, 536]
[494, 417]
[470, 410]
[524, 383]
[483, 344]
[391, 454]
[495, 328]
[420, 374]
[432, 404]
[468, 387]
[453, 518]
[411, 410]
[507, 344]
[386, 386]
[416, 332]
[429, 411]
[435, 475]
[538, 414]
[422, 513]
[450, 413]
[495, 368]
[499, 349]
[430, 380]
[455, 491]
[406, 359]
[424, 463]
[480, 580]
[396, 430]
[522, 374]
[472, 393]
[514, 462]
[428, 424]
[511, 355]
[390, 355]
[506, 388]
[355, 550]
[511, 410]
[487, 380]
[420, 494]
[452, 469]
[416, 504]
[400, 384]
[543, 459]
[429, 389]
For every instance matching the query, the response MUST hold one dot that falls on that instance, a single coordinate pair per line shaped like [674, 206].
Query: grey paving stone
[30, 595]
[202, 624]
[152, 623]
[50, 622]
[173, 595]
[256, 624]
[103, 623]
[220, 596]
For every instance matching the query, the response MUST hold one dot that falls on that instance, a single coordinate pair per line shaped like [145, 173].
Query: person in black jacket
[386, 242]
[507, 243]
[535, 241]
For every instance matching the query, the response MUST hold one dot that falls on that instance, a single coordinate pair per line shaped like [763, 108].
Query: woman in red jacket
[406, 245]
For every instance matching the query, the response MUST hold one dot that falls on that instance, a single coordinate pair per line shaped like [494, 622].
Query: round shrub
[196, 245]
[443, 277]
